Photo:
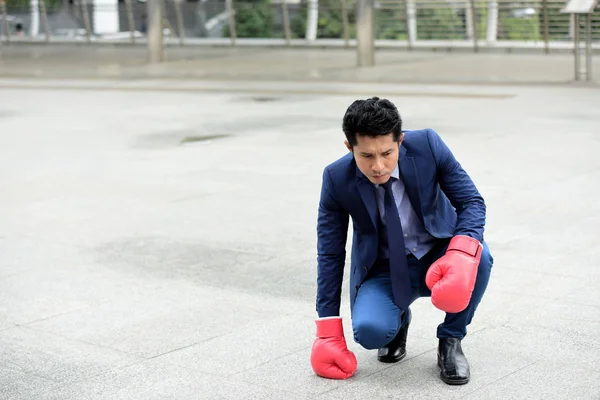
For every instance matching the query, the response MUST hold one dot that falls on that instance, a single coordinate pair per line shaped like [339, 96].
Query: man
[418, 223]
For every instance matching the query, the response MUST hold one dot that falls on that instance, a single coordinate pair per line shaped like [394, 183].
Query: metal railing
[403, 23]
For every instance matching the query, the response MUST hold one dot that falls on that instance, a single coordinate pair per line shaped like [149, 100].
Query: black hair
[372, 117]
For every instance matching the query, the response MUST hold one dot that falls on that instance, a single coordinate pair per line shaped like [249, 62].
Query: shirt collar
[396, 173]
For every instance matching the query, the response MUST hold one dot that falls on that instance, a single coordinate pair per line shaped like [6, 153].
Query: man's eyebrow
[364, 153]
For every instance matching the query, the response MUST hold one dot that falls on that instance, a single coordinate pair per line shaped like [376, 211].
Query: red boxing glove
[451, 279]
[330, 357]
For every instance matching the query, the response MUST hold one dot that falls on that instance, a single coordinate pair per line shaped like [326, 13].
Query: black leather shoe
[452, 362]
[395, 350]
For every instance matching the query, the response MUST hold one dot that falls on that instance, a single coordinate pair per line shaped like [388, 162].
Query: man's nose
[377, 165]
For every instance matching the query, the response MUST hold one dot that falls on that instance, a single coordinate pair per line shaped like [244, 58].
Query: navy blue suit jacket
[440, 191]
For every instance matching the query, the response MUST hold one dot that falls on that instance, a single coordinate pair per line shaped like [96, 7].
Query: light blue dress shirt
[417, 240]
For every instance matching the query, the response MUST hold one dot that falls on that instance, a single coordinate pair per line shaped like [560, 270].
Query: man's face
[376, 157]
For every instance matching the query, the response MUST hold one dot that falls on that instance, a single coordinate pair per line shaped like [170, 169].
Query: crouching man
[418, 223]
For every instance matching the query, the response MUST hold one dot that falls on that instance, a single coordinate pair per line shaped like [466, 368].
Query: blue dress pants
[376, 319]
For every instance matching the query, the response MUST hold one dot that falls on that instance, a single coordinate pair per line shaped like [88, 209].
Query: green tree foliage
[558, 23]
[390, 23]
[253, 19]
[435, 21]
[518, 28]
[521, 28]
[330, 23]
[439, 23]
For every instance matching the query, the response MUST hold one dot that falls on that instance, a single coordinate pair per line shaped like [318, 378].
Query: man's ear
[400, 139]
[348, 146]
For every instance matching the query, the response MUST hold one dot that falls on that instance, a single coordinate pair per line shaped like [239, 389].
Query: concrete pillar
[34, 28]
[155, 31]
[411, 17]
[492, 22]
[469, 20]
[312, 20]
[365, 33]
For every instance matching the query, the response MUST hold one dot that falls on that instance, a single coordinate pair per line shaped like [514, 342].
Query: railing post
[576, 47]
[576, 8]
[546, 26]
[180, 27]
[5, 24]
[411, 23]
[34, 24]
[45, 19]
[474, 22]
[492, 21]
[312, 20]
[286, 22]
[86, 20]
[588, 46]
[130, 20]
[345, 24]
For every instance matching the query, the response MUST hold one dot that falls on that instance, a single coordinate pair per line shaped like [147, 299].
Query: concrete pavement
[138, 261]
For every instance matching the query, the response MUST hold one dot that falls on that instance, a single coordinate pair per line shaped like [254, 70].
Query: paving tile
[32, 354]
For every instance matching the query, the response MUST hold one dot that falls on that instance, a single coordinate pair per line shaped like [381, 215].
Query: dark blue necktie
[401, 288]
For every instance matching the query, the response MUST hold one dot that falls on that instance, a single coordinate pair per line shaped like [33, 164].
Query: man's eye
[367, 156]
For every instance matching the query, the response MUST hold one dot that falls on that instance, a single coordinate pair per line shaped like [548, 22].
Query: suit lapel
[367, 194]
[408, 172]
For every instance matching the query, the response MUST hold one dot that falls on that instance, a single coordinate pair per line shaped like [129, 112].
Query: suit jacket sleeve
[460, 190]
[332, 231]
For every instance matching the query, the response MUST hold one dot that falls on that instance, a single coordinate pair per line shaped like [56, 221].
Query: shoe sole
[391, 360]
[449, 381]
[454, 381]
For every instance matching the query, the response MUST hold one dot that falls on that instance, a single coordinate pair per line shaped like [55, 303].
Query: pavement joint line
[26, 324]
[99, 374]
[59, 385]
[304, 348]
[257, 90]
[85, 342]
[248, 325]
[8, 327]
[188, 346]
[499, 379]
[13, 367]
[224, 334]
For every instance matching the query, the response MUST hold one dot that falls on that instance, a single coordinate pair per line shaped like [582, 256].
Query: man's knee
[373, 334]
[484, 271]
[486, 262]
